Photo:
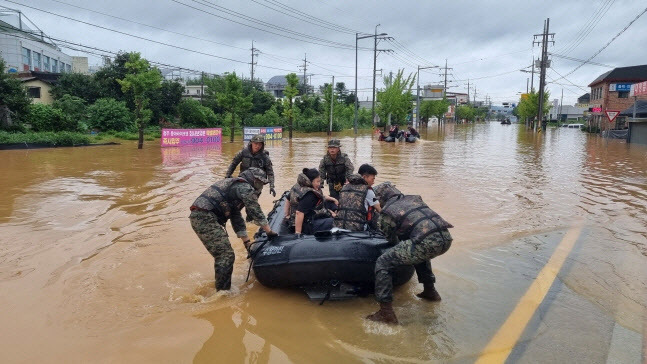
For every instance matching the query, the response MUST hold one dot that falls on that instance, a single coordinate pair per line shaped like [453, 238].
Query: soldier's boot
[384, 314]
[429, 293]
[223, 278]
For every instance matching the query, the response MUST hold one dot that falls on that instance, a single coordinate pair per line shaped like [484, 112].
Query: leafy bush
[71, 106]
[193, 114]
[110, 114]
[45, 138]
[270, 118]
[47, 118]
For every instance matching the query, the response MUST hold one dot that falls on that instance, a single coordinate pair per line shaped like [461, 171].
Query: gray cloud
[479, 39]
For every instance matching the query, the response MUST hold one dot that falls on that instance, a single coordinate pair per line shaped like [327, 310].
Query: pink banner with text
[185, 137]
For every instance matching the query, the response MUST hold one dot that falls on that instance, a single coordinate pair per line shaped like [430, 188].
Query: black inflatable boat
[335, 264]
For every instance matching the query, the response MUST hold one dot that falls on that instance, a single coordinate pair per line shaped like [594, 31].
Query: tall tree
[527, 107]
[290, 92]
[76, 84]
[13, 99]
[140, 79]
[233, 101]
[396, 97]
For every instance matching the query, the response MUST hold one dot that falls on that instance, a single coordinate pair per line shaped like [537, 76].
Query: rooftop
[623, 74]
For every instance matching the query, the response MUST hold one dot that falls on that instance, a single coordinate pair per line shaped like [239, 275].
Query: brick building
[610, 91]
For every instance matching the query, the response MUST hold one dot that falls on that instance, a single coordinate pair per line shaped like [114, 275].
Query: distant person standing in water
[335, 168]
[254, 155]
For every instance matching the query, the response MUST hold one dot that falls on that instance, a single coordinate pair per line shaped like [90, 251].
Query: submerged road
[549, 262]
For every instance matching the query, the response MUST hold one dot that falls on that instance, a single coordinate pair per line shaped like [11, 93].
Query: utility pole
[474, 95]
[445, 86]
[561, 104]
[305, 80]
[201, 86]
[357, 37]
[418, 94]
[254, 50]
[468, 91]
[332, 103]
[543, 65]
[527, 80]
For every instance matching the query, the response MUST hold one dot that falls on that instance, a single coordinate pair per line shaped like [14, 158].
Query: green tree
[192, 114]
[77, 85]
[465, 112]
[288, 102]
[433, 108]
[13, 100]
[73, 108]
[165, 100]
[107, 78]
[110, 114]
[528, 106]
[396, 97]
[233, 101]
[140, 80]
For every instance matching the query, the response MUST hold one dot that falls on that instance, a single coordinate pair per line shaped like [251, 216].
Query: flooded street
[98, 261]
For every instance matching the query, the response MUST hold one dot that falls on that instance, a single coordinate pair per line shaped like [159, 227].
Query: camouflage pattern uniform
[419, 234]
[336, 171]
[351, 213]
[220, 202]
[247, 159]
[303, 186]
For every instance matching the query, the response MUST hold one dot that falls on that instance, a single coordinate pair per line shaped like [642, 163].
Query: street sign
[612, 114]
[620, 87]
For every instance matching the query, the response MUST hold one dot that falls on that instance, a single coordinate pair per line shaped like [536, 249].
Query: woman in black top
[311, 214]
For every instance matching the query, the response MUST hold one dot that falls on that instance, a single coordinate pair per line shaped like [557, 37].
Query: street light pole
[357, 37]
[418, 94]
[356, 98]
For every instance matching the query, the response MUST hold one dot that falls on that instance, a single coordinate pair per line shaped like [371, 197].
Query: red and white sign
[612, 114]
[639, 89]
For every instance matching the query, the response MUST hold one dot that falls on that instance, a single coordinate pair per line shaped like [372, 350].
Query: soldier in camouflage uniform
[335, 168]
[419, 234]
[358, 202]
[254, 155]
[221, 202]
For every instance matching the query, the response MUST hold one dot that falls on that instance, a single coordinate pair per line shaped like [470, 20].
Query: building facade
[25, 48]
[610, 92]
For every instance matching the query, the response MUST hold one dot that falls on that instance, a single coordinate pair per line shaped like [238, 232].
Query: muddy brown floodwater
[98, 262]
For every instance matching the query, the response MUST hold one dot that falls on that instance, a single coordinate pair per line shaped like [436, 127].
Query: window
[61, 67]
[623, 94]
[54, 65]
[26, 58]
[37, 61]
[34, 92]
[68, 68]
[46, 64]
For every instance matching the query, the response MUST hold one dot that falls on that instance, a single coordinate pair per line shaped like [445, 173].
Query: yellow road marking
[502, 343]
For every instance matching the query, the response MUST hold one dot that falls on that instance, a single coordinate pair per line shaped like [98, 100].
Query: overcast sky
[484, 41]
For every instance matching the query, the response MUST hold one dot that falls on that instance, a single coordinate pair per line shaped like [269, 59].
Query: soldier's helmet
[254, 174]
[384, 191]
[258, 138]
[334, 143]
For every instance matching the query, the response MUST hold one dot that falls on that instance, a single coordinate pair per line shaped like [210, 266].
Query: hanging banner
[186, 137]
[270, 132]
[639, 89]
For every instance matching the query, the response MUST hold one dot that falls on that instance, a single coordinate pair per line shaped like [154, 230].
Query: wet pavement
[99, 263]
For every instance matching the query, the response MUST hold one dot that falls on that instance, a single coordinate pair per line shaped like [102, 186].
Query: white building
[194, 91]
[25, 47]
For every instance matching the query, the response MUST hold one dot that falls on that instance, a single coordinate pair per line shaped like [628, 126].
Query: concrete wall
[45, 96]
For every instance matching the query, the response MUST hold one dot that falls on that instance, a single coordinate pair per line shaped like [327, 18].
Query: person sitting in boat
[307, 208]
[221, 202]
[358, 201]
[413, 132]
[394, 131]
[418, 234]
[381, 137]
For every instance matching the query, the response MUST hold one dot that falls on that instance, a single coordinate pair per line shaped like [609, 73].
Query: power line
[580, 60]
[127, 34]
[586, 30]
[293, 13]
[313, 39]
[606, 45]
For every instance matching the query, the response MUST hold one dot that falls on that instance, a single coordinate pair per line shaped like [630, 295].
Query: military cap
[252, 173]
[334, 143]
[384, 191]
[258, 138]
